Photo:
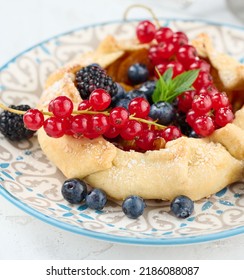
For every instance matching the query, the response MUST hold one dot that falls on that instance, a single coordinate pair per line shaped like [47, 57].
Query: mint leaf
[167, 89]
[168, 74]
[185, 79]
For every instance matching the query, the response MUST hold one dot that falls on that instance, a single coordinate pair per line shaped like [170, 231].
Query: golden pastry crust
[193, 167]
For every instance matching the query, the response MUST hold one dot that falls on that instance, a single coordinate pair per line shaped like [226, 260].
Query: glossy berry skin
[147, 89]
[162, 111]
[84, 105]
[145, 31]
[223, 116]
[96, 199]
[200, 64]
[133, 206]
[204, 79]
[171, 133]
[176, 66]
[179, 39]
[191, 116]
[79, 124]
[186, 55]
[61, 106]
[219, 100]
[202, 104]
[146, 140]
[138, 73]
[33, 119]
[74, 190]
[54, 127]
[118, 96]
[185, 100]
[203, 125]
[131, 130]
[118, 117]
[182, 206]
[112, 132]
[139, 107]
[163, 34]
[97, 125]
[100, 99]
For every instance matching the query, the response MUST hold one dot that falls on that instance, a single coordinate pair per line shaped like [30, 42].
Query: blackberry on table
[92, 77]
[12, 125]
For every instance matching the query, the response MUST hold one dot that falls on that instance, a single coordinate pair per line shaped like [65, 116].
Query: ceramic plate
[32, 183]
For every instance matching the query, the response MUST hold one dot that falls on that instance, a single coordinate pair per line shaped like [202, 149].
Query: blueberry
[162, 111]
[96, 199]
[182, 206]
[148, 88]
[74, 190]
[135, 93]
[138, 73]
[193, 134]
[124, 102]
[180, 122]
[133, 206]
[119, 95]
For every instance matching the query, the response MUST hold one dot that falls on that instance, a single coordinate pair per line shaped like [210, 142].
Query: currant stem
[19, 112]
[80, 112]
[143, 7]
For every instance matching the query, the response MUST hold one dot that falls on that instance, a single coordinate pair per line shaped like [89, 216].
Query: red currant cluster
[207, 109]
[134, 128]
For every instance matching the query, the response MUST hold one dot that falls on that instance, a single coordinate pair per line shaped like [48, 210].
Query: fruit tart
[150, 117]
[155, 116]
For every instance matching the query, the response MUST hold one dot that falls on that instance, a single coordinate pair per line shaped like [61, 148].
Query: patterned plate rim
[103, 236]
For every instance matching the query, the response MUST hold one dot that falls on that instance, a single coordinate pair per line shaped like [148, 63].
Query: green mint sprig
[168, 88]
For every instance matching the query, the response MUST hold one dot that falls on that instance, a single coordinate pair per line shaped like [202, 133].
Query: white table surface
[27, 22]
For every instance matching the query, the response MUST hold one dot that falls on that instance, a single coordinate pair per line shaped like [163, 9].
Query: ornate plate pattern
[32, 183]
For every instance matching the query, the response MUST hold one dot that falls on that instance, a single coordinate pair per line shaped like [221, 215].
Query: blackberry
[92, 77]
[12, 125]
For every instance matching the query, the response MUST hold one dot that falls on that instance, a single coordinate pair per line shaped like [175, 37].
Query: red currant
[100, 99]
[179, 39]
[166, 50]
[185, 100]
[33, 119]
[220, 100]
[112, 132]
[54, 127]
[84, 105]
[203, 125]
[154, 55]
[79, 124]
[191, 116]
[139, 107]
[67, 125]
[204, 79]
[202, 104]
[177, 67]
[145, 31]
[61, 106]
[99, 123]
[186, 55]
[131, 130]
[223, 116]
[171, 133]
[118, 117]
[211, 90]
[146, 140]
[163, 34]
[200, 64]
